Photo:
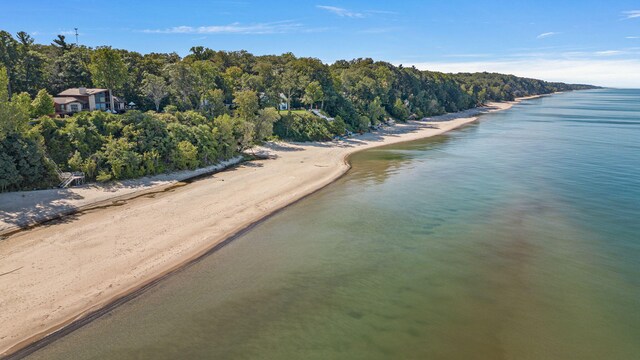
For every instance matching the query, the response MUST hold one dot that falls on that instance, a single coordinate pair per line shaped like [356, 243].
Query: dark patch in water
[355, 314]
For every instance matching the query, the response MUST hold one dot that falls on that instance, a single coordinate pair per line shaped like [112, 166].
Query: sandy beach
[57, 273]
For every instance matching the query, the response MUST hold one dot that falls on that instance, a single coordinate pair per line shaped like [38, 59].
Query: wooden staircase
[317, 113]
[69, 178]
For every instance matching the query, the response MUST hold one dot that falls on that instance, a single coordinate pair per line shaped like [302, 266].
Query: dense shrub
[302, 127]
[23, 164]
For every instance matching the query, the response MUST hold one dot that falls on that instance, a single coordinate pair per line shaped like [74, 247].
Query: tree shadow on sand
[50, 208]
[281, 147]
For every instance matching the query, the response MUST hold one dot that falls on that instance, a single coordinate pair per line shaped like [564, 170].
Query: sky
[588, 41]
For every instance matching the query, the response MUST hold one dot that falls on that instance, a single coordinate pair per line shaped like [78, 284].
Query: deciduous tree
[213, 103]
[107, 68]
[155, 88]
[42, 104]
[313, 93]
[264, 123]
[13, 114]
[182, 83]
[247, 105]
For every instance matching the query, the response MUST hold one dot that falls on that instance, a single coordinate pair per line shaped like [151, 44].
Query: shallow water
[513, 238]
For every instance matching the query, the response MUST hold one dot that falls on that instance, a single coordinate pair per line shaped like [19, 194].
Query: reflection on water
[379, 163]
[515, 238]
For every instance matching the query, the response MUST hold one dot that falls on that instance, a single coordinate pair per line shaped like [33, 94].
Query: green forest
[205, 107]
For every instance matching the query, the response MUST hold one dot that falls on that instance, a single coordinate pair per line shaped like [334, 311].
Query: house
[74, 100]
[284, 104]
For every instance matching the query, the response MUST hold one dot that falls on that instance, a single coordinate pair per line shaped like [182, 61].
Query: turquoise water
[513, 238]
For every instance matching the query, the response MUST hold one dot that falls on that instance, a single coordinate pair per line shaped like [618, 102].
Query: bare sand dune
[53, 274]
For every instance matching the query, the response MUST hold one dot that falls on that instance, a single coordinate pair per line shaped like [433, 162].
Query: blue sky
[577, 41]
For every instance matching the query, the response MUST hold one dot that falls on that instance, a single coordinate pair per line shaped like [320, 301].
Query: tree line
[204, 107]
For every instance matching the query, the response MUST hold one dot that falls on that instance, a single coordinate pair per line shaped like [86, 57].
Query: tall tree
[289, 83]
[25, 39]
[224, 136]
[61, 43]
[182, 83]
[155, 88]
[232, 77]
[107, 68]
[8, 58]
[206, 78]
[247, 105]
[313, 93]
[30, 69]
[13, 115]
[132, 88]
[201, 53]
[71, 69]
[375, 111]
[213, 103]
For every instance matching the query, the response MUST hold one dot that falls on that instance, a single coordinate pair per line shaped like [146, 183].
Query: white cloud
[479, 55]
[632, 37]
[631, 14]
[235, 28]
[547, 34]
[383, 12]
[609, 52]
[603, 72]
[342, 12]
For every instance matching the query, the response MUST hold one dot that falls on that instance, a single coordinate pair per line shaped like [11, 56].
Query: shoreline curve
[27, 344]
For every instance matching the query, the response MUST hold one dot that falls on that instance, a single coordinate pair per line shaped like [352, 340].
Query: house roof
[67, 100]
[76, 92]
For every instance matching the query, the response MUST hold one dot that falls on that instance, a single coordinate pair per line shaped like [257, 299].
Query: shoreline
[49, 298]
[58, 203]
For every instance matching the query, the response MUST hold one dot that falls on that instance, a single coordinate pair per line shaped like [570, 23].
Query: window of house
[74, 107]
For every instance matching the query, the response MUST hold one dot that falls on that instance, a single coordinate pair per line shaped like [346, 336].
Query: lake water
[517, 237]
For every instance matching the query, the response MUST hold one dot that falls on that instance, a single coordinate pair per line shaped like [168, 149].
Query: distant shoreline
[57, 278]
